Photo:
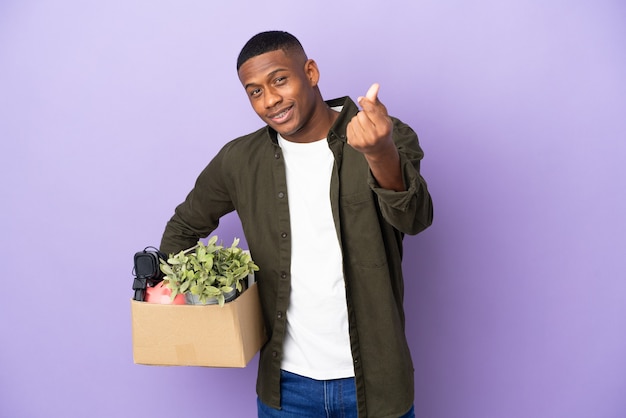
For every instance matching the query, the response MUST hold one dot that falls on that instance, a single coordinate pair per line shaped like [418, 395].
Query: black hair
[267, 42]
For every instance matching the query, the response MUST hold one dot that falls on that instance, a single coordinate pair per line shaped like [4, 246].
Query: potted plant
[208, 274]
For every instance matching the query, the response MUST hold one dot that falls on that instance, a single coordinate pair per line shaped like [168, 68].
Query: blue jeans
[305, 397]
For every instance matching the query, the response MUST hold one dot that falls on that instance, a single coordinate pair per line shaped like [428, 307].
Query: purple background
[516, 297]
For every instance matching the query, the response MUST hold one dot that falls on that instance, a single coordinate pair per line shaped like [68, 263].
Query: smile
[281, 116]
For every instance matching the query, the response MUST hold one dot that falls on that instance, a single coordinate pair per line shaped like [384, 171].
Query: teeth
[281, 114]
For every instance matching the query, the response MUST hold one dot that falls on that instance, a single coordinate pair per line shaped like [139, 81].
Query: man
[325, 194]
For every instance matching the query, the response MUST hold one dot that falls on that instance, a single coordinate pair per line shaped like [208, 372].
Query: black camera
[147, 271]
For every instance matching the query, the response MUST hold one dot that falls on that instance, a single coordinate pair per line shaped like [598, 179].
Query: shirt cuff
[397, 200]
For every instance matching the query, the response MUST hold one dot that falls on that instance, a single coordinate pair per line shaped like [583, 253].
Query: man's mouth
[281, 116]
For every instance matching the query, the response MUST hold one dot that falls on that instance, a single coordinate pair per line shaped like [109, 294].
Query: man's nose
[272, 98]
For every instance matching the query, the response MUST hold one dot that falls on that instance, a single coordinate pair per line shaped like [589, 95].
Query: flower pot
[192, 299]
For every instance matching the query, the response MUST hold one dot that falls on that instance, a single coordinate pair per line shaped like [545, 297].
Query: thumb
[371, 95]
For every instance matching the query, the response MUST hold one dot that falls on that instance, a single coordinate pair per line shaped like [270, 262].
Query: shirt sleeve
[409, 211]
[199, 214]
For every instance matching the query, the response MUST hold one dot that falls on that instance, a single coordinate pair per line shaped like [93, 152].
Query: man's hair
[267, 42]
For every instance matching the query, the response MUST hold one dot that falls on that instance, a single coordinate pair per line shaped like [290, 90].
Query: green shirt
[248, 175]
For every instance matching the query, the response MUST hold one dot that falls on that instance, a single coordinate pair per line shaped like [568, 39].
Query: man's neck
[319, 125]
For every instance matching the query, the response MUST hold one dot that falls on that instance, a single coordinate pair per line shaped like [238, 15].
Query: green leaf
[165, 268]
[212, 291]
[208, 270]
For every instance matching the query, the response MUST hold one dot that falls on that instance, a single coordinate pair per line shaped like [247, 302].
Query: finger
[351, 132]
[371, 103]
[364, 121]
[373, 112]
[357, 126]
[372, 93]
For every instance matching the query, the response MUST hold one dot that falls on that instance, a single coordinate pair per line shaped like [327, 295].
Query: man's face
[281, 89]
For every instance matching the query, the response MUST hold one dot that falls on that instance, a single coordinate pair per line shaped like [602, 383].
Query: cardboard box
[198, 335]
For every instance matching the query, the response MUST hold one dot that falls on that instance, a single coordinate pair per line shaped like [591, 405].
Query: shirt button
[277, 155]
[284, 235]
[274, 354]
[279, 315]
[283, 275]
[281, 195]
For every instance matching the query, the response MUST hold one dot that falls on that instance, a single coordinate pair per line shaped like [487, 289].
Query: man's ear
[312, 72]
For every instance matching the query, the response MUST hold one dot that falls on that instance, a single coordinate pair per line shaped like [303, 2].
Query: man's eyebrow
[270, 75]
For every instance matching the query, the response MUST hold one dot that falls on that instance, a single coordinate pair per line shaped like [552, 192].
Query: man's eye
[280, 80]
[255, 92]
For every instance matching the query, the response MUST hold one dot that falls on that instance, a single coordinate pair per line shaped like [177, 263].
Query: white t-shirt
[317, 342]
